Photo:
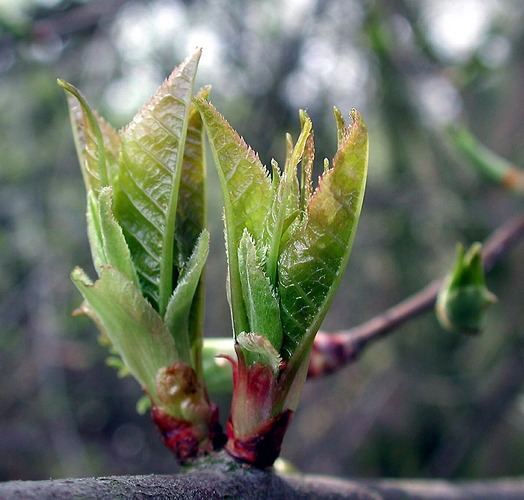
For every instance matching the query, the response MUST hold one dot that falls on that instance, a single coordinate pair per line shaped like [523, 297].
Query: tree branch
[333, 351]
[218, 482]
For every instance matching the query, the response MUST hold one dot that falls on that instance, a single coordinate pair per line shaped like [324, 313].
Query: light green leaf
[116, 251]
[246, 188]
[262, 306]
[179, 307]
[148, 185]
[306, 183]
[97, 143]
[286, 202]
[191, 217]
[94, 231]
[108, 245]
[137, 333]
[314, 257]
[464, 297]
[192, 207]
[259, 349]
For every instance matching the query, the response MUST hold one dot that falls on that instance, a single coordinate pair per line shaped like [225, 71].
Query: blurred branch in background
[333, 351]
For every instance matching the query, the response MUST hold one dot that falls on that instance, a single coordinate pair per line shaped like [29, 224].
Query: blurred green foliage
[422, 403]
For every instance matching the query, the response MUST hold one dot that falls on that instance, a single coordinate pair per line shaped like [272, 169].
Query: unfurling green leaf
[192, 205]
[463, 297]
[179, 307]
[108, 245]
[259, 296]
[135, 330]
[191, 219]
[286, 201]
[246, 188]
[259, 349]
[315, 255]
[146, 217]
[115, 247]
[297, 242]
[97, 143]
[146, 194]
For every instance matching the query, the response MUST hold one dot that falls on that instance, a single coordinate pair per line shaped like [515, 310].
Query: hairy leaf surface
[97, 143]
[286, 201]
[135, 330]
[192, 206]
[116, 251]
[149, 179]
[178, 311]
[246, 188]
[262, 306]
[313, 259]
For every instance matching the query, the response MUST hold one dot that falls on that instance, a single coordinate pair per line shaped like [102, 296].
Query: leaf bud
[464, 297]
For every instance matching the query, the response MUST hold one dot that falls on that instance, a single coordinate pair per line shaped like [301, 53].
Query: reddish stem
[262, 447]
[256, 426]
[184, 439]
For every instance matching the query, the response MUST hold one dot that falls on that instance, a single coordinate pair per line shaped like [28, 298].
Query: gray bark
[217, 481]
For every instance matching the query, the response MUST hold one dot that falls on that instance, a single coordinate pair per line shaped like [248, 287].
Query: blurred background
[421, 403]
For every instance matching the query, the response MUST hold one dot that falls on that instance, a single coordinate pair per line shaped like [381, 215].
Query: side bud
[464, 297]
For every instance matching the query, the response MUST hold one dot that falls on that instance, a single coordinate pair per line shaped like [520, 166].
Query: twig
[333, 351]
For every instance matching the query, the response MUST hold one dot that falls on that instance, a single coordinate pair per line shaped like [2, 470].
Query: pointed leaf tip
[247, 194]
[148, 191]
[313, 259]
[95, 140]
[464, 297]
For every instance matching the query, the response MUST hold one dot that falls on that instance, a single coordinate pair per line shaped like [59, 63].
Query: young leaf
[259, 349]
[306, 183]
[135, 330]
[150, 169]
[246, 188]
[179, 306]
[191, 207]
[286, 202]
[315, 255]
[262, 306]
[108, 245]
[94, 231]
[97, 143]
[191, 218]
[464, 297]
[115, 248]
